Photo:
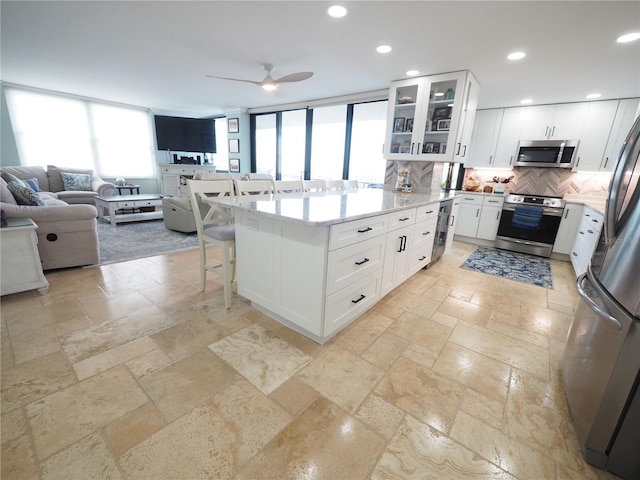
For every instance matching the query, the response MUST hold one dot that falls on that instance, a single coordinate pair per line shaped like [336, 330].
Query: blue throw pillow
[76, 181]
[25, 195]
[32, 183]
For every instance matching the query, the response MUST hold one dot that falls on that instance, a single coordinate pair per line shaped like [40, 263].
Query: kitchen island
[317, 261]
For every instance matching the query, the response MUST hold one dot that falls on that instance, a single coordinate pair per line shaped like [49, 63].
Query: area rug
[128, 241]
[514, 266]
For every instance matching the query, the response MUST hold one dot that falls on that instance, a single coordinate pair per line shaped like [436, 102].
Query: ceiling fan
[269, 83]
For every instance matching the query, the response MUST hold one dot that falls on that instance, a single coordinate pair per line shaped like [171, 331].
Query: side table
[21, 266]
[131, 188]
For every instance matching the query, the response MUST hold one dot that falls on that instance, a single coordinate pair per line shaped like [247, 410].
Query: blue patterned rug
[514, 266]
[128, 241]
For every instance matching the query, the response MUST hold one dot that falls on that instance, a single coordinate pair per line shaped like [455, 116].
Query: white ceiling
[156, 53]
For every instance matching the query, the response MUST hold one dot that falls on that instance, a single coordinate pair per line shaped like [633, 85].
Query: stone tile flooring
[129, 371]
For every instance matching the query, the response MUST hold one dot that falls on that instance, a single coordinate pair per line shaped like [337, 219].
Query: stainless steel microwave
[546, 153]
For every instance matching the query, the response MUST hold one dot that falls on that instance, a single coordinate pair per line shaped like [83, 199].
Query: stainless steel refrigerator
[601, 363]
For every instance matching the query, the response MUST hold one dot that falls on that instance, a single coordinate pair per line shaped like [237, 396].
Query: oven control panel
[551, 202]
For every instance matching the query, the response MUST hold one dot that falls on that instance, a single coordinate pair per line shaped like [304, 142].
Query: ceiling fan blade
[294, 77]
[235, 79]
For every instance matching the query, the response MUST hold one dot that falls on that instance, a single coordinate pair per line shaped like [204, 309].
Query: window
[280, 142]
[366, 163]
[57, 130]
[327, 144]
[220, 159]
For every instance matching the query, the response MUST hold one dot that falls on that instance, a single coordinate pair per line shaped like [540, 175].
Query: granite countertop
[596, 202]
[329, 208]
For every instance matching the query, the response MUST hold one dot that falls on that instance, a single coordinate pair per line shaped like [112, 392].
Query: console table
[21, 266]
[129, 208]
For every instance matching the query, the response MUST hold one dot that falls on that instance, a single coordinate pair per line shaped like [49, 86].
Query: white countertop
[328, 208]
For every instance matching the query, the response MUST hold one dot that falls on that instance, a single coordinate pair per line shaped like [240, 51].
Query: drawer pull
[429, 212]
[404, 219]
[362, 297]
[363, 261]
[368, 229]
[426, 233]
[590, 231]
[421, 258]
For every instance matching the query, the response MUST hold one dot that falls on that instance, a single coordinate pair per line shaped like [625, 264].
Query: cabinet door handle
[510, 159]
[368, 229]
[498, 216]
[458, 150]
[362, 297]
[546, 131]
[363, 261]
[490, 159]
[606, 160]
[452, 218]
[566, 214]
[578, 162]
[404, 246]
[418, 149]
[477, 212]
[465, 151]
[401, 242]
[412, 144]
[553, 130]
[404, 219]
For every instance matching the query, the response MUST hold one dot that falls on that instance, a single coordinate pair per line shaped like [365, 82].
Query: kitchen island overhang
[316, 261]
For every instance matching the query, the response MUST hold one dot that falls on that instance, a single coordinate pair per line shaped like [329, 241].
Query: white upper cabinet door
[510, 129]
[625, 116]
[597, 127]
[467, 118]
[554, 122]
[484, 139]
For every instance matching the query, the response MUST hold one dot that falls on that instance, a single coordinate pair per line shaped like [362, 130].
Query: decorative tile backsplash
[425, 177]
[548, 181]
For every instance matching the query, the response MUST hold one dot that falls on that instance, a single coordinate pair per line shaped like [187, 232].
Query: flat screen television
[185, 134]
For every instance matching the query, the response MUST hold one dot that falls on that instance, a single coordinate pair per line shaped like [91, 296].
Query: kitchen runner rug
[512, 265]
[128, 241]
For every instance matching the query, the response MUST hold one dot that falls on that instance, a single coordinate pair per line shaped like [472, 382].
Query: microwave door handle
[593, 305]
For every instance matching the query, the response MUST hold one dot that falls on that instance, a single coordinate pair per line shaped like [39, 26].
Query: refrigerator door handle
[593, 305]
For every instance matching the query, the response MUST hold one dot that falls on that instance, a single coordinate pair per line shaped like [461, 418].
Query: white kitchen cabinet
[398, 248]
[424, 232]
[490, 218]
[595, 135]
[509, 137]
[568, 229]
[586, 240]
[625, 116]
[554, 122]
[468, 215]
[427, 116]
[453, 220]
[484, 139]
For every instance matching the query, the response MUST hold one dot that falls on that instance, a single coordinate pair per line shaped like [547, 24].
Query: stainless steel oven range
[529, 224]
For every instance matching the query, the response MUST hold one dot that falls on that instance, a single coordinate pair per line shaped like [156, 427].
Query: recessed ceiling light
[383, 49]
[526, 100]
[412, 73]
[594, 95]
[629, 37]
[516, 55]
[337, 11]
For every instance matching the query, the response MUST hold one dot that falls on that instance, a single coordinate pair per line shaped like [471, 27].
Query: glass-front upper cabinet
[427, 115]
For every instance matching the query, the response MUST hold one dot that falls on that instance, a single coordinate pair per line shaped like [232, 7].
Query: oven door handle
[552, 212]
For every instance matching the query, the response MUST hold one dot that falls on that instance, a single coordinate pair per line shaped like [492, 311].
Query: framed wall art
[233, 125]
[234, 165]
[443, 125]
[398, 124]
[234, 145]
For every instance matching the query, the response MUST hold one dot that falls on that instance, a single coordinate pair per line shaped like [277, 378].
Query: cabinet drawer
[351, 263]
[351, 302]
[471, 199]
[593, 218]
[348, 233]
[402, 218]
[426, 212]
[493, 201]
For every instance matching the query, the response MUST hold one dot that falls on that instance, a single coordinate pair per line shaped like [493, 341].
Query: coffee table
[129, 208]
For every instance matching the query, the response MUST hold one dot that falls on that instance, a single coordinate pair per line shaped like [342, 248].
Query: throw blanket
[527, 217]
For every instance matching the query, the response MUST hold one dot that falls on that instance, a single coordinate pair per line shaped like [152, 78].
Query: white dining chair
[287, 186]
[313, 185]
[253, 187]
[350, 185]
[334, 185]
[215, 227]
